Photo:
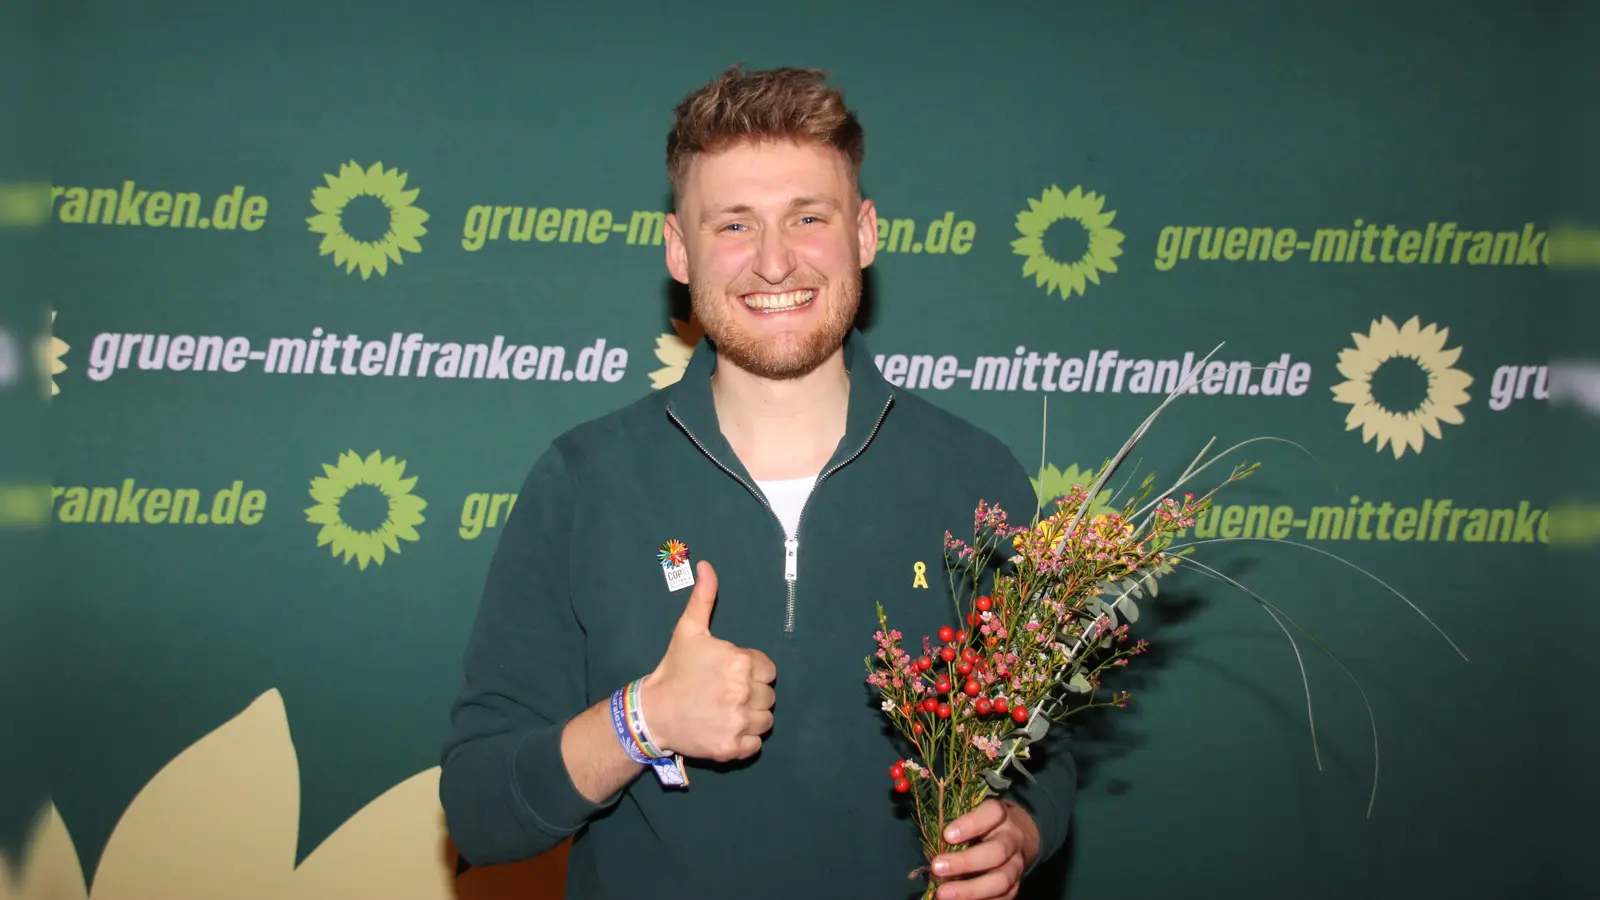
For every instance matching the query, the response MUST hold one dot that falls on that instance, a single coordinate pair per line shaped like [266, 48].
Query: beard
[787, 356]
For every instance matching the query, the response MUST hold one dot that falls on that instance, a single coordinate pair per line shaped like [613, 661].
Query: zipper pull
[791, 561]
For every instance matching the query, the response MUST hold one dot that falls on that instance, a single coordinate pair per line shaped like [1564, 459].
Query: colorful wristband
[627, 719]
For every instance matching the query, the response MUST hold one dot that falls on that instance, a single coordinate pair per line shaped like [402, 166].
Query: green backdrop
[429, 232]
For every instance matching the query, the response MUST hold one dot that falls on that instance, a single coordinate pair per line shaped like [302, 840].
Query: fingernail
[940, 866]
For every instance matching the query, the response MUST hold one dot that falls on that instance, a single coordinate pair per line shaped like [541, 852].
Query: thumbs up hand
[708, 699]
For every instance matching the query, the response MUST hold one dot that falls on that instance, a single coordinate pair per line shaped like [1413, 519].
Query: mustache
[740, 290]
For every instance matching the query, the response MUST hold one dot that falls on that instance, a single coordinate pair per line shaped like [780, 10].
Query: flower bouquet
[1042, 612]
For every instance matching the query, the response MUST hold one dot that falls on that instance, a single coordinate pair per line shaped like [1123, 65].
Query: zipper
[791, 573]
[791, 548]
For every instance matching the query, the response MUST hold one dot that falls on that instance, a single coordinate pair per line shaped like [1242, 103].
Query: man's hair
[772, 105]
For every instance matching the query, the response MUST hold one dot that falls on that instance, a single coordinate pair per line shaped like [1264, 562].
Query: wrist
[654, 707]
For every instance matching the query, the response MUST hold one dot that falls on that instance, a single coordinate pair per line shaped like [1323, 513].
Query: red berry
[965, 668]
[999, 704]
[902, 785]
[931, 704]
[898, 770]
[947, 634]
[905, 710]
[947, 653]
[972, 618]
[971, 688]
[985, 604]
[1020, 714]
[984, 706]
[961, 636]
[944, 710]
[924, 664]
[990, 641]
[970, 655]
[942, 685]
[916, 727]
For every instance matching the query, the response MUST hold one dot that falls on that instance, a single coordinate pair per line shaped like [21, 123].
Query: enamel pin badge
[674, 557]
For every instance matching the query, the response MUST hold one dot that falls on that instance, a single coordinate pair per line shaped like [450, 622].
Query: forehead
[766, 173]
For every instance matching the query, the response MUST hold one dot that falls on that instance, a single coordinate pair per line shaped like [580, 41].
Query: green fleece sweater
[576, 604]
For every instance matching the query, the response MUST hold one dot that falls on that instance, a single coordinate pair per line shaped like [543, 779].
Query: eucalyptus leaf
[1037, 727]
[1015, 764]
[1079, 683]
[996, 781]
[1130, 610]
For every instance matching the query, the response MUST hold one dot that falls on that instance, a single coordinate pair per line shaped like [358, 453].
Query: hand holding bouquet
[1041, 613]
[1041, 617]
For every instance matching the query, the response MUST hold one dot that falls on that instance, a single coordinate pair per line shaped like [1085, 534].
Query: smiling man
[686, 587]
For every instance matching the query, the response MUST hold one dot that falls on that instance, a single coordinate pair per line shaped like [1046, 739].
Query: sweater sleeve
[505, 789]
[1051, 797]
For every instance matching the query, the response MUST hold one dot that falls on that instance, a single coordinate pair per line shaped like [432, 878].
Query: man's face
[771, 240]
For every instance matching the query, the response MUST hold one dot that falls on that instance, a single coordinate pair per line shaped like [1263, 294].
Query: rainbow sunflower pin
[673, 553]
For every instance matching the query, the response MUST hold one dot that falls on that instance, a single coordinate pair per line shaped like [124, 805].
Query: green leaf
[1130, 610]
[996, 781]
[1037, 727]
[1079, 683]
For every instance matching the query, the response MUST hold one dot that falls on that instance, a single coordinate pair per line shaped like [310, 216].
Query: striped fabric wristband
[627, 720]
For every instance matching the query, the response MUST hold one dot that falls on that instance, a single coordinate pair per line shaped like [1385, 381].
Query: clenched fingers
[997, 884]
[762, 668]
[762, 696]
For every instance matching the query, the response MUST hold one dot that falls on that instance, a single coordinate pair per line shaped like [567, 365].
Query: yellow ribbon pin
[921, 579]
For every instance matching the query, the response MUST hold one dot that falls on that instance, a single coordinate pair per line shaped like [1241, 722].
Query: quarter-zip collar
[691, 405]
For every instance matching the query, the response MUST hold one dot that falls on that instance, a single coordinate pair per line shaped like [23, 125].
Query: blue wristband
[624, 721]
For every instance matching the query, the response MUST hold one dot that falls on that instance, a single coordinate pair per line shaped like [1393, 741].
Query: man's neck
[783, 429]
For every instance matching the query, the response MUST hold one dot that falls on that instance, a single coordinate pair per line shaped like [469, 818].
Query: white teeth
[779, 302]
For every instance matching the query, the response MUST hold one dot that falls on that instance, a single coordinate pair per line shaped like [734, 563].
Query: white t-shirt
[788, 497]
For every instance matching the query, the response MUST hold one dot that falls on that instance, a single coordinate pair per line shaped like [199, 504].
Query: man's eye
[732, 226]
[806, 219]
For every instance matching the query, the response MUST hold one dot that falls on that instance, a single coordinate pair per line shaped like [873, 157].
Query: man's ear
[677, 253]
[867, 225]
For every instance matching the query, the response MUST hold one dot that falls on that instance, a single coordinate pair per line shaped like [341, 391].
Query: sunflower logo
[674, 351]
[50, 350]
[365, 506]
[1100, 243]
[234, 796]
[1054, 483]
[381, 241]
[1390, 354]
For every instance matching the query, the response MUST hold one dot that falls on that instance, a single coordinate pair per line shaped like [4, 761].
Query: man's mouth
[774, 303]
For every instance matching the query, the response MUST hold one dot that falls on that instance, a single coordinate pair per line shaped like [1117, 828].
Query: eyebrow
[797, 203]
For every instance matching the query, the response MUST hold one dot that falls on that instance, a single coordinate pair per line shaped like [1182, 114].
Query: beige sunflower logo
[222, 819]
[674, 351]
[50, 350]
[1410, 350]
[387, 186]
[365, 506]
[1102, 246]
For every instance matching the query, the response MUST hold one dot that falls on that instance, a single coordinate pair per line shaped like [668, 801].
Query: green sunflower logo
[1054, 483]
[1080, 256]
[387, 223]
[365, 506]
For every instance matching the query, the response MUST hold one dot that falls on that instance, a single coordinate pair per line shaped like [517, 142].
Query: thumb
[696, 617]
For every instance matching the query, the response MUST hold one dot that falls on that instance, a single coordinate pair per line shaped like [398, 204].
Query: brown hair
[775, 104]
